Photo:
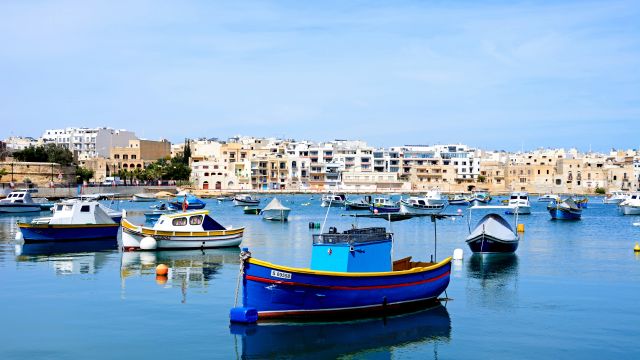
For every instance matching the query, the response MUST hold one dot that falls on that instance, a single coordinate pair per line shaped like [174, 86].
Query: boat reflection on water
[498, 279]
[187, 269]
[334, 339]
[68, 257]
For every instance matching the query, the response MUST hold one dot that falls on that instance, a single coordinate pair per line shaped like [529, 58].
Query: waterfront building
[137, 154]
[15, 143]
[88, 143]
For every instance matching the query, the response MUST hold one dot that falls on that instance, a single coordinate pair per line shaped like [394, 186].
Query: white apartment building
[88, 142]
[16, 143]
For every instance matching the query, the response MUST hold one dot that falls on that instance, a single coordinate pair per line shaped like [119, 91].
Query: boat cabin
[383, 201]
[79, 212]
[354, 250]
[418, 201]
[188, 221]
[18, 197]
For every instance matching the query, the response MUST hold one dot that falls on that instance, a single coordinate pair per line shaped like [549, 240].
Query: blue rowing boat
[566, 209]
[351, 274]
[187, 202]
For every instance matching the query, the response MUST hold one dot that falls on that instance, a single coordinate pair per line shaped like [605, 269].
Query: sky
[495, 74]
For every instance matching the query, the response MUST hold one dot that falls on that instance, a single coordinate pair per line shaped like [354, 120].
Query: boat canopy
[494, 225]
[275, 204]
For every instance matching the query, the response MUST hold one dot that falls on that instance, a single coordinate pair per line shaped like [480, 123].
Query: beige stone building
[138, 154]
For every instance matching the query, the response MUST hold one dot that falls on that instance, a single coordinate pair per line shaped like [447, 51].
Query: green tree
[123, 174]
[84, 174]
[45, 153]
[186, 153]
[481, 178]
[600, 191]
[3, 172]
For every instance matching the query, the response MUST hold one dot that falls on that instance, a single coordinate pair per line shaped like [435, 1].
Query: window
[133, 157]
[59, 207]
[181, 221]
[85, 208]
[195, 220]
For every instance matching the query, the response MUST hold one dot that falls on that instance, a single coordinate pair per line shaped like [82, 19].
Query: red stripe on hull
[374, 287]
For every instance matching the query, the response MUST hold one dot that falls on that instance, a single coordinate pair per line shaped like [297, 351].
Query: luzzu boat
[564, 210]
[382, 205]
[351, 274]
[182, 230]
[419, 205]
[72, 220]
[187, 202]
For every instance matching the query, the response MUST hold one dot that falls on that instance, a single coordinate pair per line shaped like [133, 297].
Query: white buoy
[19, 236]
[458, 254]
[124, 213]
[148, 243]
[636, 224]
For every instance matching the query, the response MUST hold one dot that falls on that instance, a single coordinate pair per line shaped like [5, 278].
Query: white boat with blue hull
[245, 200]
[519, 202]
[19, 202]
[493, 234]
[631, 206]
[72, 220]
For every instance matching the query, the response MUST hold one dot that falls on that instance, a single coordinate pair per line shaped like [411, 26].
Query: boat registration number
[280, 274]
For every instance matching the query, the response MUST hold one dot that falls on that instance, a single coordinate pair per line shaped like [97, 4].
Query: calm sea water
[572, 290]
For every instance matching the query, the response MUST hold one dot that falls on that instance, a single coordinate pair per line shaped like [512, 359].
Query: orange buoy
[162, 270]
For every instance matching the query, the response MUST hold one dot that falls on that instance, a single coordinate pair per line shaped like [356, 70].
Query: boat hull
[238, 202]
[485, 244]
[34, 233]
[459, 202]
[132, 235]
[138, 198]
[521, 210]
[327, 203]
[283, 292]
[19, 208]
[275, 215]
[630, 210]
[561, 214]
[428, 209]
[384, 209]
[191, 206]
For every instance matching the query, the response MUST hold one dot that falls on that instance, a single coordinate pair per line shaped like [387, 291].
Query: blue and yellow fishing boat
[351, 274]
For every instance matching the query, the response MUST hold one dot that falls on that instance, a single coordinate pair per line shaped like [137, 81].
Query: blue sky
[498, 75]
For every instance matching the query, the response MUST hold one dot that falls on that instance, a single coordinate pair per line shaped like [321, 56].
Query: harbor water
[571, 290]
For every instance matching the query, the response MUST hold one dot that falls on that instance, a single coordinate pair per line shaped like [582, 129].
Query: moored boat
[249, 210]
[245, 200]
[182, 230]
[333, 200]
[351, 274]
[459, 199]
[616, 197]
[275, 211]
[19, 202]
[383, 205]
[519, 202]
[493, 234]
[187, 202]
[143, 197]
[71, 220]
[564, 210]
[419, 205]
[359, 204]
[548, 198]
[479, 198]
[631, 206]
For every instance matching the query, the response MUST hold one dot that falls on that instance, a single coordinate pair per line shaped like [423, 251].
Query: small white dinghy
[275, 211]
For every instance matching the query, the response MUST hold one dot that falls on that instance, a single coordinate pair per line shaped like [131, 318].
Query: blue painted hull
[559, 214]
[52, 248]
[384, 209]
[47, 233]
[292, 292]
[192, 206]
[487, 244]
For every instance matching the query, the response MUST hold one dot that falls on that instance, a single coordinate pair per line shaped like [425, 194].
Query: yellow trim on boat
[148, 231]
[347, 274]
